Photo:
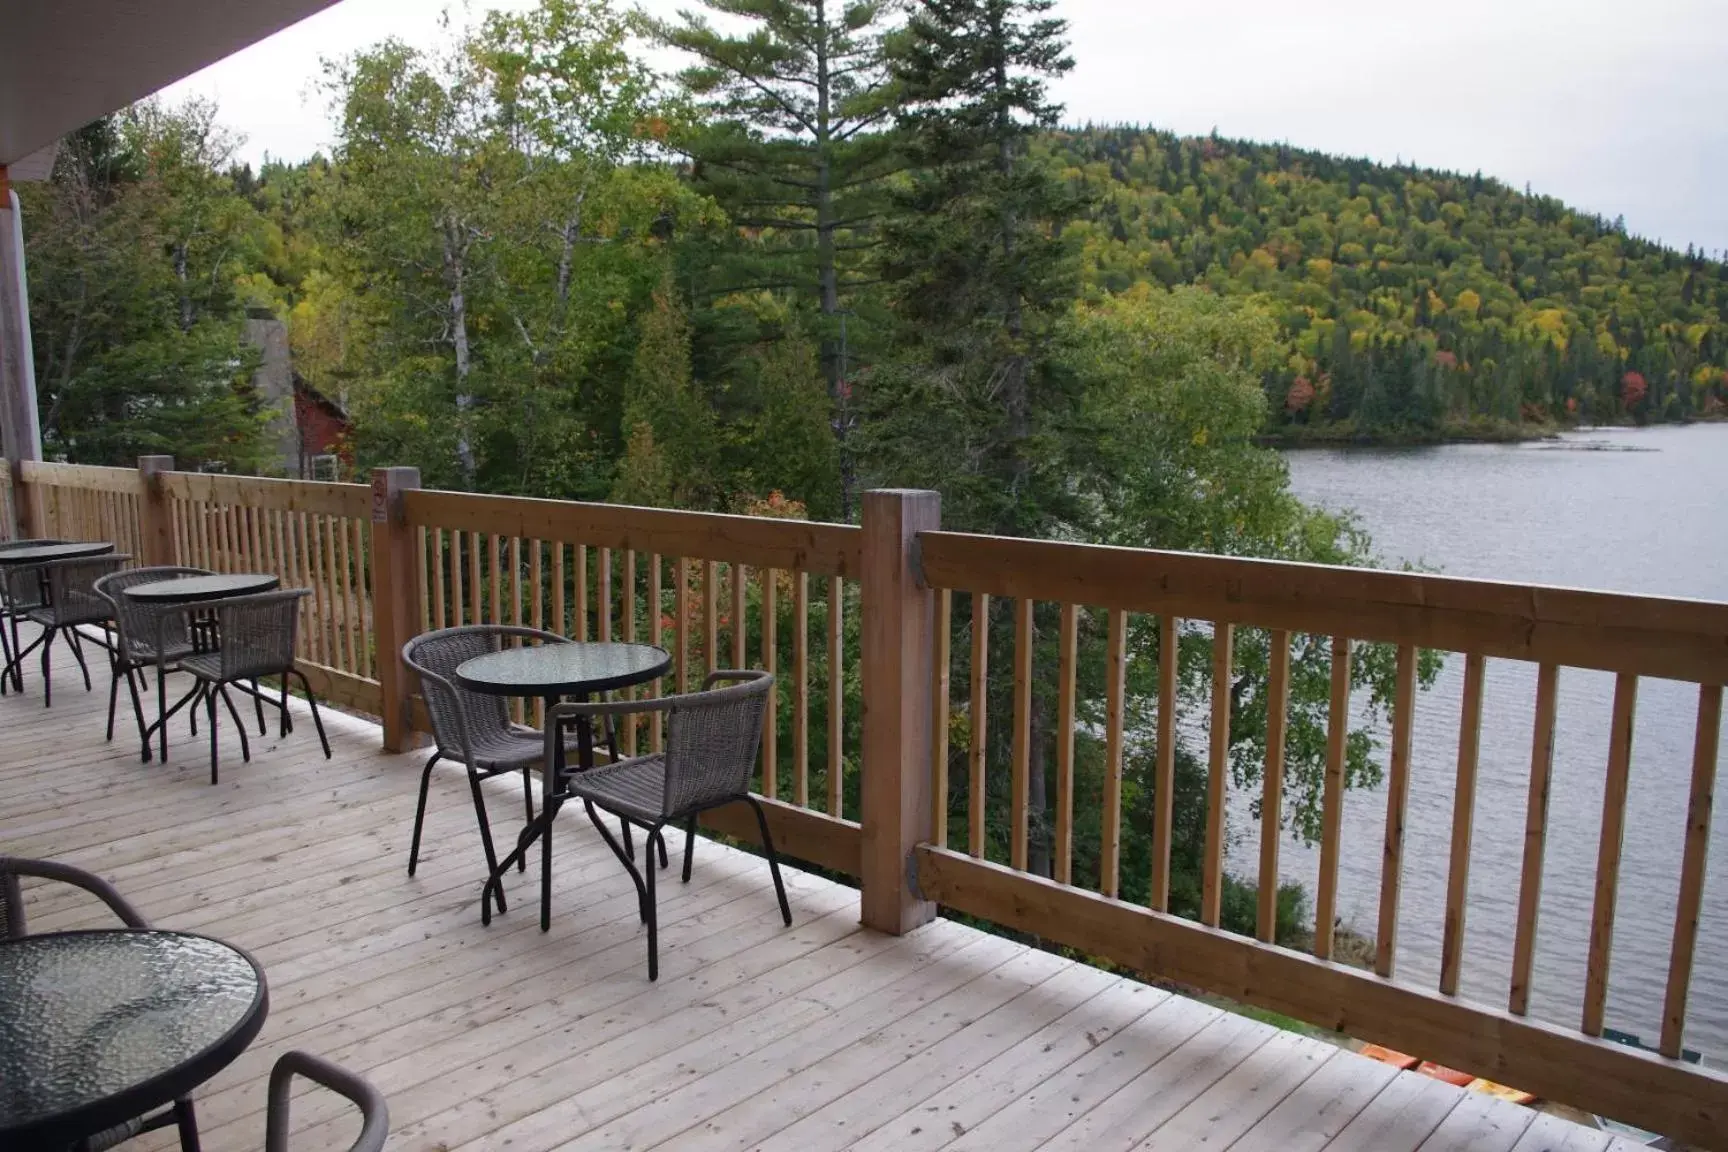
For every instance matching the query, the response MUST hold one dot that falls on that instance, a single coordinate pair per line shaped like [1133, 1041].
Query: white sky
[1617, 108]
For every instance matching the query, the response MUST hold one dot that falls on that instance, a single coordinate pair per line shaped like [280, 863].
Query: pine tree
[792, 145]
[976, 404]
[974, 260]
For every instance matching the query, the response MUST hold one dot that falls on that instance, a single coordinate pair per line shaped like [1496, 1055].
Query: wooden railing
[862, 626]
[85, 503]
[8, 512]
[1213, 599]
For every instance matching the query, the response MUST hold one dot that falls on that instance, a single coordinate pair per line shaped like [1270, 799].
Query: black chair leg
[77, 647]
[287, 720]
[618, 851]
[114, 693]
[773, 859]
[47, 679]
[239, 726]
[135, 677]
[689, 847]
[258, 705]
[210, 707]
[161, 713]
[312, 702]
[485, 832]
[653, 912]
[420, 814]
[5, 651]
[18, 655]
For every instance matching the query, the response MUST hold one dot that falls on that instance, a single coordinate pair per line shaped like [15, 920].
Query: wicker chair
[374, 1115]
[472, 727]
[149, 636]
[11, 608]
[257, 641]
[72, 600]
[12, 927]
[711, 741]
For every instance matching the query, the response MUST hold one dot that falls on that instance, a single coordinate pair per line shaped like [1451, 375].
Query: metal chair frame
[237, 661]
[686, 790]
[493, 728]
[71, 600]
[134, 653]
[9, 612]
[374, 1113]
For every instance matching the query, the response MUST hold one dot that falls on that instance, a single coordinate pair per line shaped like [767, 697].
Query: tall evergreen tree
[975, 264]
[791, 143]
[977, 404]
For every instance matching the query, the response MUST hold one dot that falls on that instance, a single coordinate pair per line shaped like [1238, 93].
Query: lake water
[1626, 510]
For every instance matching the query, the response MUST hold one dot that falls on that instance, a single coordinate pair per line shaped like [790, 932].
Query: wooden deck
[820, 1036]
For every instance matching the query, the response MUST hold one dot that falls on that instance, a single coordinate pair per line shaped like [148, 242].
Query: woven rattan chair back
[138, 620]
[712, 738]
[463, 720]
[258, 633]
[72, 588]
[21, 586]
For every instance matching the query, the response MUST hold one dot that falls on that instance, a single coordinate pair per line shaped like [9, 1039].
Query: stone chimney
[274, 383]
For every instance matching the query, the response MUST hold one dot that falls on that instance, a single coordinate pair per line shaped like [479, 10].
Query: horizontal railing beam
[760, 542]
[1641, 635]
[353, 501]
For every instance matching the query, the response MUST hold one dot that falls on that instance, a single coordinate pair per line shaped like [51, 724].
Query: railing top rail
[1618, 632]
[801, 545]
[329, 499]
[89, 477]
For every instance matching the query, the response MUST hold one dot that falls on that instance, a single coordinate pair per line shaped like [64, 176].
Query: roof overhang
[64, 63]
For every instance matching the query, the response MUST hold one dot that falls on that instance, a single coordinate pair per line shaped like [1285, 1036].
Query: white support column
[20, 433]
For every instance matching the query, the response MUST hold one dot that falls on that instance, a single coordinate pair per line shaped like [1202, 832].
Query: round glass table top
[43, 553]
[190, 589]
[563, 669]
[99, 1027]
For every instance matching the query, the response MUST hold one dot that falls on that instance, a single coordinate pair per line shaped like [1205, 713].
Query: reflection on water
[1623, 510]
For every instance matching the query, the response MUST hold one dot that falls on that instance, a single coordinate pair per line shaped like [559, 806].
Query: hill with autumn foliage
[1416, 304]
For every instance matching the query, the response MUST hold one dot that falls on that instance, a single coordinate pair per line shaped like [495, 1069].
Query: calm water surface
[1627, 510]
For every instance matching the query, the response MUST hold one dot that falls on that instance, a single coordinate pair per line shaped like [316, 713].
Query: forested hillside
[1414, 302]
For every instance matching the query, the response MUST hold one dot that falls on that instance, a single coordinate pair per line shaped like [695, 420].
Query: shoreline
[1346, 436]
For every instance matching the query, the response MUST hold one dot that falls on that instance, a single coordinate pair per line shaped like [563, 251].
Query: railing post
[395, 590]
[26, 509]
[155, 518]
[898, 619]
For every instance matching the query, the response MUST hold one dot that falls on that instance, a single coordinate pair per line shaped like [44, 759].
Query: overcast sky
[1618, 108]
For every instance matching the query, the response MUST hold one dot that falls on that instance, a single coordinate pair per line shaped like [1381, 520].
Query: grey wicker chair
[147, 636]
[12, 607]
[712, 737]
[257, 634]
[472, 727]
[72, 601]
[374, 1114]
[12, 926]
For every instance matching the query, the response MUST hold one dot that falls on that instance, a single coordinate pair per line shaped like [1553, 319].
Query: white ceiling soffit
[64, 63]
[35, 167]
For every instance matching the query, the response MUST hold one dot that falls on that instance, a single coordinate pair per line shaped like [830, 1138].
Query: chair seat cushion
[141, 652]
[511, 750]
[204, 665]
[635, 788]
